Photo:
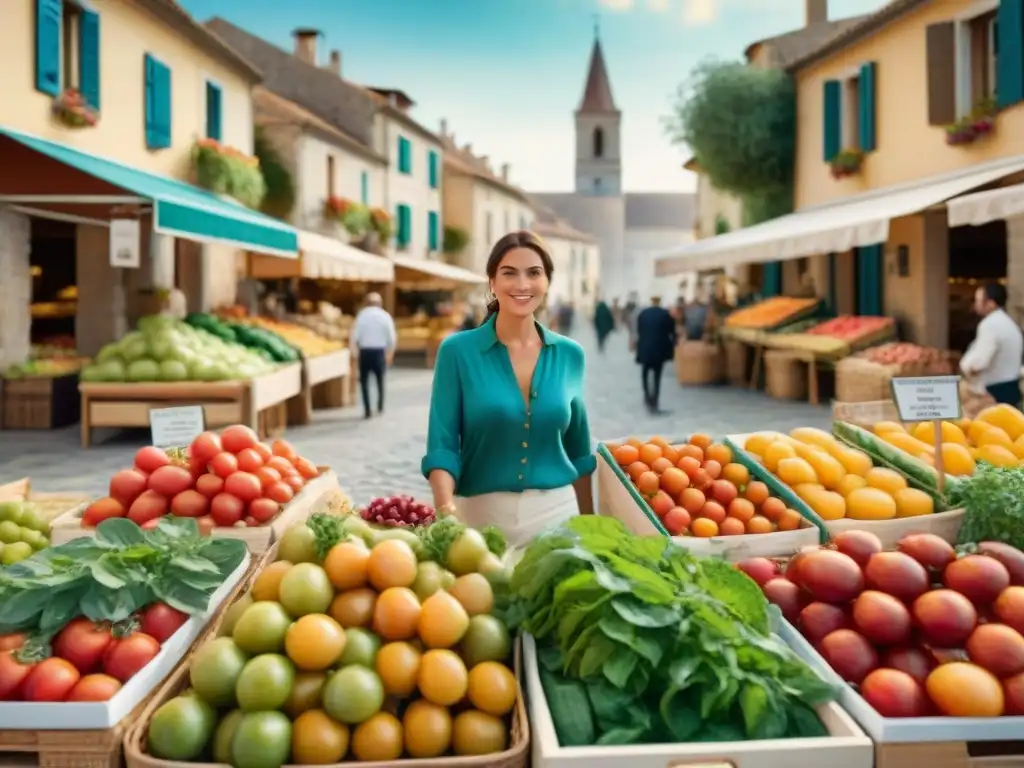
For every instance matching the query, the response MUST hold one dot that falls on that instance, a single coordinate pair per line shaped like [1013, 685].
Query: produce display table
[258, 403]
[325, 384]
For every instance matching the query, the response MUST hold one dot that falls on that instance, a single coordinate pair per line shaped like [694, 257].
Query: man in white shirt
[374, 337]
[993, 360]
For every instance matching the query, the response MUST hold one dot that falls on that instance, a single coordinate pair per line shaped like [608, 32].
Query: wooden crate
[49, 506]
[324, 384]
[39, 402]
[258, 403]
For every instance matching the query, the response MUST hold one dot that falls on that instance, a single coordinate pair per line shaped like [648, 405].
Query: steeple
[597, 93]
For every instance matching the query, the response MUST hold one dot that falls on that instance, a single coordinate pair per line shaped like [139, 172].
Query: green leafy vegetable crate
[935, 742]
[619, 498]
[258, 539]
[846, 746]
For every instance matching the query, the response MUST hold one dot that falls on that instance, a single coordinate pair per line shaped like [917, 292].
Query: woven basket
[785, 376]
[737, 357]
[699, 363]
[861, 381]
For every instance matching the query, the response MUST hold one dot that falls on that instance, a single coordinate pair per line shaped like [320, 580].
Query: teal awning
[179, 209]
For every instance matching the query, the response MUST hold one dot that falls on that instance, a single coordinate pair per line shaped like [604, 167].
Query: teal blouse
[482, 432]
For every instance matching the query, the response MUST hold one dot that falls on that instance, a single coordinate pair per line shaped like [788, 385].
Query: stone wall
[15, 288]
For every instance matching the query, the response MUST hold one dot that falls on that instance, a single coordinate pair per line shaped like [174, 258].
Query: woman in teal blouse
[508, 442]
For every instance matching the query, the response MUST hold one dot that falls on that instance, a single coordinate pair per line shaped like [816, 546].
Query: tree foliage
[740, 123]
[280, 197]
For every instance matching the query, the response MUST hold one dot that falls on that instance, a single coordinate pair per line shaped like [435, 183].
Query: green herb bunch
[114, 575]
[660, 646]
[993, 503]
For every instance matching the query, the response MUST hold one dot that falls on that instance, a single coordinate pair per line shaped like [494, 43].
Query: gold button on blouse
[524, 460]
[525, 445]
[520, 477]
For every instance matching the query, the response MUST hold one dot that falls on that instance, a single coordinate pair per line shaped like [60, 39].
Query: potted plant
[979, 123]
[353, 216]
[455, 240]
[381, 223]
[846, 163]
[71, 108]
[227, 171]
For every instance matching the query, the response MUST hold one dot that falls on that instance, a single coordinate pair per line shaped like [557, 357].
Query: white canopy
[327, 258]
[442, 272]
[832, 228]
[983, 207]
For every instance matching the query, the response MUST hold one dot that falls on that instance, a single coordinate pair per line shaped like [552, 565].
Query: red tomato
[295, 482]
[284, 449]
[149, 506]
[160, 621]
[223, 464]
[196, 467]
[50, 680]
[237, 438]
[126, 486]
[307, 468]
[83, 643]
[268, 476]
[252, 522]
[94, 688]
[249, 460]
[101, 510]
[171, 480]
[151, 458]
[189, 504]
[280, 492]
[206, 525]
[264, 510]
[281, 464]
[205, 447]
[209, 485]
[11, 642]
[244, 485]
[226, 510]
[263, 450]
[150, 525]
[128, 655]
[12, 675]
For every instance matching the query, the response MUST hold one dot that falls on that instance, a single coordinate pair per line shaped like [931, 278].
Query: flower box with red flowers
[846, 163]
[73, 110]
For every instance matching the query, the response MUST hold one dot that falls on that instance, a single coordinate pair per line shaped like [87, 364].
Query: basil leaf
[108, 573]
[61, 608]
[21, 608]
[101, 604]
[120, 531]
[184, 597]
[194, 564]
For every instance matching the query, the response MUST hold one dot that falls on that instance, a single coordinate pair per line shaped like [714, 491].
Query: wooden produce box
[846, 747]
[39, 402]
[258, 403]
[259, 539]
[324, 385]
[617, 497]
[927, 742]
[49, 505]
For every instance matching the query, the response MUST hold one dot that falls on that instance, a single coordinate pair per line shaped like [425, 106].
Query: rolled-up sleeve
[577, 439]
[445, 426]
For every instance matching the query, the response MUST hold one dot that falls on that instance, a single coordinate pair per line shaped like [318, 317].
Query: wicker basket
[737, 358]
[785, 375]
[861, 381]
[699, 363]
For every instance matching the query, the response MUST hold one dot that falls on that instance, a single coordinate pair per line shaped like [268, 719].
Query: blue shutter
[432, 230]
[150, 100]
[1010, 57]
[158, 104]
[404, 155]
[214, 112]
[165, 105]
[432, 160]
[832, 119]
[404, 233]
[89, 58]
[867, 118]
[771, 283]
[364, 182]
[49, 23]
[869, 280]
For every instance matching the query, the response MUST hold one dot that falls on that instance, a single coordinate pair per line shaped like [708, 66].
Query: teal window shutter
[404, 155]
[150, 100]
[158, 104]
[364, 183]
[432, 227]
[89, 58]
[1010, 57]
[432, 161]
[214, 112]
[832, 119]
[867, 95]
[404, 233]
[869, 280]
[772, 279]
[49, 24]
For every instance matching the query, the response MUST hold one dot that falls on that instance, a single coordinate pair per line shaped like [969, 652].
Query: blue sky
[507, 74]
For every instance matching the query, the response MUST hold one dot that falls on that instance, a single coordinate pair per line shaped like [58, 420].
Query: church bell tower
[598, 132]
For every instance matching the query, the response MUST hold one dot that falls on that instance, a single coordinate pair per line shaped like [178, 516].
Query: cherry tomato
[281, 464]
[226, 510]
[295, 482]
[209, 485]
[205, 447]
[83, 643]
[206, 525]
[196, 467]
[50, 680]
[249, 460]
[151, 458]
[280, 492]
[102, 509]
[160, 621]
[94, 688]
[264, 451]
[264, 510]
[128, 655]
[244, 485]
[284, 449]
[189, 504]
[224, 464]
[252, 522]
[307, 468]
[11, 642]
[237, 438]
[268, 476]
[12, 675]
[151, 525]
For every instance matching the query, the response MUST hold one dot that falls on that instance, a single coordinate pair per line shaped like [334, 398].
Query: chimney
[815, 12]
[504, 171]
[305, 44]
[334, 65]
[444, 128]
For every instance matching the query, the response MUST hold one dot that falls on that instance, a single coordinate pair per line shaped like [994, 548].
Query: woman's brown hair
[520, 238]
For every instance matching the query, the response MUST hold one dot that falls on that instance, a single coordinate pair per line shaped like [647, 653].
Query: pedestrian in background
[566, 315]
[604, 323]
[374, 338]
[655, 346]
[992, 362]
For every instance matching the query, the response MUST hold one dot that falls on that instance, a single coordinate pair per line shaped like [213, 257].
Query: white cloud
[617, 5]
[658, 6]
[698, 13]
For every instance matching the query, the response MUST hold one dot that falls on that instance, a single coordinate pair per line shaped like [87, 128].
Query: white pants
[520, 516]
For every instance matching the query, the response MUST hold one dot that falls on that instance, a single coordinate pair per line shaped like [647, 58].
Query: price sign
[125, 243]
[927, 398]
[176, 427]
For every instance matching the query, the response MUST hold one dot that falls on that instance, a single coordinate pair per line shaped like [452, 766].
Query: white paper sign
[927, 398]
[176, 427]
[125, 243]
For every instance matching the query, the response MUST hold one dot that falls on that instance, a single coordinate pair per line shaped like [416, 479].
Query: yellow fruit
[317, 739]
[813, 436]
[884, 427]
[904, 442]
[268, 584]
[477, 733]
[957, 460]
[828, 505]
[474, 592]
[849, 483]
[911, 502]
[1006, 417]
[951, 433]
[759, 442]
[442, 678]
[870, 504]
[994, 436]
[396, 614]
[775, 453]
[795, 471]
[827, 469]
[997, 455]
[346, 565]
[492, 688]
[392, 563]
[1018, 447]
[885, 479]
[398, 666]
[977, 429]
[443, 620]
[854, 462]
[428, 729]
[379, 738]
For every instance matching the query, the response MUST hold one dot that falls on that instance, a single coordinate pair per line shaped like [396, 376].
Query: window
[848, 121]
[364, 183]
[433, 225]
[489, 228]
[850, 113]
[330, 176]
[432, 165]
[976, 48]
[404, 155]
[403, 234]
[67, 49]
[214, 111]
[71, 28]
[158, 103]
[598, 142]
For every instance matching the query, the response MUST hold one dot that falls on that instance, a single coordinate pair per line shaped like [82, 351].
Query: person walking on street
[993, 360]
[655, 345]
[566, 315]
[604, 323]
[374, 336]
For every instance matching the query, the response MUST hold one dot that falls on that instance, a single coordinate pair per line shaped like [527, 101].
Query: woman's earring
[489, 297]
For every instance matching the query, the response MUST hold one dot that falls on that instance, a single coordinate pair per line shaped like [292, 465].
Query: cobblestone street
[382, 456]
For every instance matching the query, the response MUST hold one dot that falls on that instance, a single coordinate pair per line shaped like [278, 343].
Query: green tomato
[215, 669]
[265, 683]
[353, 694]
[262, 740]
[181, 728]
[261, 627]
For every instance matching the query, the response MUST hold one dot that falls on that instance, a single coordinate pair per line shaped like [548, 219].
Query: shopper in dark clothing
[655, 345]
[373, 334]
[604, 323]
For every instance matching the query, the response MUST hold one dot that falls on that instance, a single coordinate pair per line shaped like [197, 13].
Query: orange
[772, 507]
[674, 481]
[718, 452]
[396, 614]
[492, 688]
[346, 564]
[650, 453]
[671, 454]
[712, 510]
[625, 455]
[701, 440]
[741, 509]
[704, 528]
[789, 520]
[713, 468]
[660, 441]
[732, 527]
[392, 564]
[648, 483]
[689, 465]
[354, 608]
[318, 739]
[443, 619]
[477, 733]
[442, 677]
[758, 524]
[379, 738]
[736, 474]
[636, 469]
[428, 729]
[398, 665]
[693, 451]
[635, 442]
[268, 584]
[660, 465]
[314, 642]
[692, 500]
[756, 492]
